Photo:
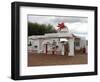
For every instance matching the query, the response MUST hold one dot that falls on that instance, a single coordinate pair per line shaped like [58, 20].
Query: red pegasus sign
[61, 25]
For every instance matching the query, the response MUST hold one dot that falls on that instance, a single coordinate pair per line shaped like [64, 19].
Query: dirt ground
[46, 60]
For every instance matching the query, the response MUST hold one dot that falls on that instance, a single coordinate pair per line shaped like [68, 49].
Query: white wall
[5, 42]
[71, 47]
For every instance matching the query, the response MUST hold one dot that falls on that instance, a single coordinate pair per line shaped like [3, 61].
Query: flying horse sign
[61, 26]
[61, 43]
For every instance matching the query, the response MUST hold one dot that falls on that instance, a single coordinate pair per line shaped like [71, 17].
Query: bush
[39, 29]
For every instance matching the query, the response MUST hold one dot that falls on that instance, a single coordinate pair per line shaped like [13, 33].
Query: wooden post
[53, 51]
[46, 49]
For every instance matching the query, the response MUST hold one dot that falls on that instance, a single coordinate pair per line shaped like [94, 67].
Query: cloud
[70, 19]
[77, 25]
[56, 19]
[78, 28]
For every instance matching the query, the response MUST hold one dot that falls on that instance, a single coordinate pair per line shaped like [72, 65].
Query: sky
[77, 25]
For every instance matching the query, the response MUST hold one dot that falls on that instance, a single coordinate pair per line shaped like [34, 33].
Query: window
[54, 42]
[77, 43]
[35, 46]
[57, 46]
[30, 44]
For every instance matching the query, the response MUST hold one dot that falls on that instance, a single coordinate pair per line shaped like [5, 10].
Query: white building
[60, 43]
